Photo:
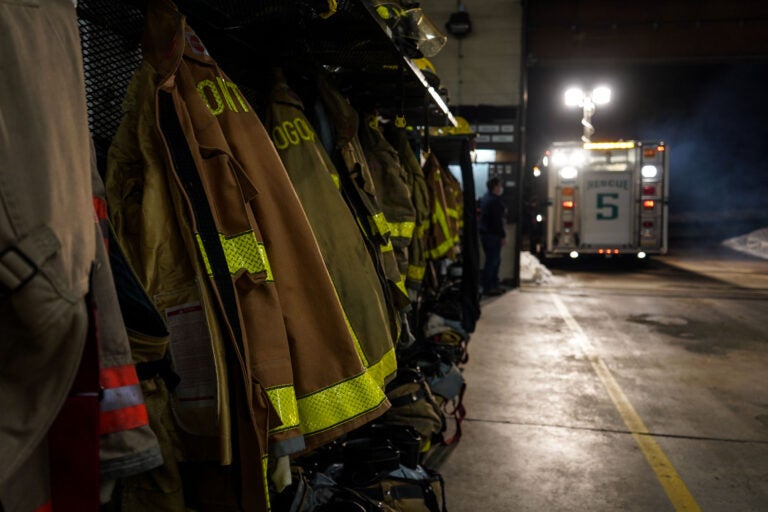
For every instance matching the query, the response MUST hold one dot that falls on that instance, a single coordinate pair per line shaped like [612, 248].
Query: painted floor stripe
[670, 480]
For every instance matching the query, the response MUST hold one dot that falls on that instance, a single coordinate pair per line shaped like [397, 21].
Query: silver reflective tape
[122, 397]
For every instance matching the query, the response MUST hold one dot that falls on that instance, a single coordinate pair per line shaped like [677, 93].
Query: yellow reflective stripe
[447, 244]
[241, 251]
[283, 399]
[379, 224]
[265, 473]
[422, 228]
[402, 229]
[452, 212]
[339, 403]
[441, 249]
[401, 285]
[416, 273]
[386, 366]
[332, 7]
[387, 247]
[439, 217]
[336, 181]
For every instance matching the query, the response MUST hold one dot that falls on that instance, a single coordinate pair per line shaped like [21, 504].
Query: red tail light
[568, 205]
[648, 204]
[567, 224]
[649, 190]
[647, 224]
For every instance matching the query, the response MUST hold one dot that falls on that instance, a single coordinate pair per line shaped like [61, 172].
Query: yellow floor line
[670, 480]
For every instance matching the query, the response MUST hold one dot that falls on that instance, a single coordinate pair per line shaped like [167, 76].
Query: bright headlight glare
[601, 95]
[574, 254]
[539, 218]
[576, 158]
[574, 96]
[649, 171]
[569, 173]
[559, 158]
[545, 161]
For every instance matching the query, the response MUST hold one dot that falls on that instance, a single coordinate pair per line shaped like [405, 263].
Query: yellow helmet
[428, 70]
[462, 128]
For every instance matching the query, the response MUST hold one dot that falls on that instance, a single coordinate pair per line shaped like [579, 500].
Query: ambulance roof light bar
[609, 145]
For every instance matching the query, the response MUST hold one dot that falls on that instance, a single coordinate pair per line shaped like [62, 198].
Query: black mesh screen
[110, 32]
[245, 37]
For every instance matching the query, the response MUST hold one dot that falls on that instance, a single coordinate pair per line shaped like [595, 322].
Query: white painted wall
[490, 67]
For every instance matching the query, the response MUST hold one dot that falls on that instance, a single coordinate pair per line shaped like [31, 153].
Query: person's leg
[492, 250]
[486, 278]
[496, 264]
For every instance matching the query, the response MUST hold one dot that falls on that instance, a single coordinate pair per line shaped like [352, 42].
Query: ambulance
[606, 199]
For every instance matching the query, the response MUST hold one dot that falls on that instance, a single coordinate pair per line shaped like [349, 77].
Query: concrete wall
[490, 67]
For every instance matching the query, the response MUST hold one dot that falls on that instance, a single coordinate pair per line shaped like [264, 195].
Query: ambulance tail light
[648, 204]
[649, 190]
[568, 205]
[648, 224]
[567, 224]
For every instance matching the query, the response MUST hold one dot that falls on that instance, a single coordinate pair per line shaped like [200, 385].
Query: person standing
[492, 235]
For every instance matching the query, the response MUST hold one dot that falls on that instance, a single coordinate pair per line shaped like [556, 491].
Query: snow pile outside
[531, 269]
[754, 243]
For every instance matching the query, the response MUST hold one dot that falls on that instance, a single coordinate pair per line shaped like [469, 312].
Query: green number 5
[603, 203]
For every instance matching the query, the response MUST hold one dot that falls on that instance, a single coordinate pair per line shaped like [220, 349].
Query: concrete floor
[619, 389]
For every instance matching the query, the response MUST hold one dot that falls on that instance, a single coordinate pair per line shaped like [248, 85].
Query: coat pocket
[31, 271]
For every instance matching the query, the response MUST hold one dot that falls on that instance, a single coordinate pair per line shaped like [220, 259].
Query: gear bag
[414, 404]
[419, 490]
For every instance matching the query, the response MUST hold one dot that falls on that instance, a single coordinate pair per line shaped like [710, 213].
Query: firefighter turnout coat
[299, 375]
[358, 184]
[341, 242]
[398, 137]
[69, 392]
[440, 240]
[392, 189]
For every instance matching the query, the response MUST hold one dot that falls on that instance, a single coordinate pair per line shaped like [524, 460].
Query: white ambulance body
[606, 198]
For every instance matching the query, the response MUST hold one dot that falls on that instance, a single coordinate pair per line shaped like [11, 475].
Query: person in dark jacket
[492, 235]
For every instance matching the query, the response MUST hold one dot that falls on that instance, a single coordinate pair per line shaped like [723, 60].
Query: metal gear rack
[352, 42]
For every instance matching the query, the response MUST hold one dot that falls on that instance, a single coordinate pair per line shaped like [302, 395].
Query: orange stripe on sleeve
[118, 376]
[123, 419]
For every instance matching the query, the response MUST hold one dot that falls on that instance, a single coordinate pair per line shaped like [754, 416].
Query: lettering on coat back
[220, 95]
[292, 133]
